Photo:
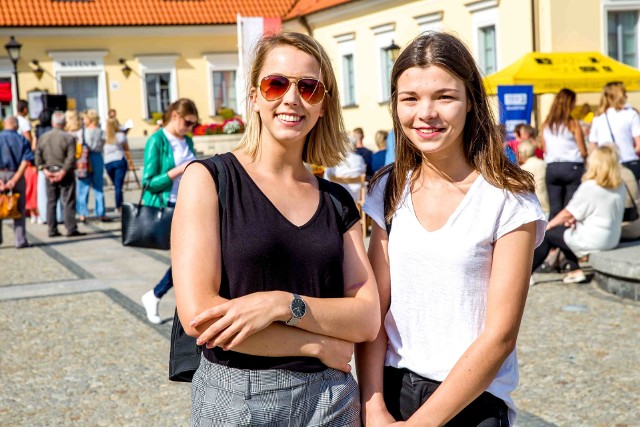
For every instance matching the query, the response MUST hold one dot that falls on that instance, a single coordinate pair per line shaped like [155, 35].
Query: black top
[263, 251]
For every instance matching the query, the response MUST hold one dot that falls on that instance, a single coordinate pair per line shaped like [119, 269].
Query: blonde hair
[110, 131]
[381, 139]
[93, 117]
[526, 149]
[72, 120]
[603, 166]
[613, 95]
[327, 143]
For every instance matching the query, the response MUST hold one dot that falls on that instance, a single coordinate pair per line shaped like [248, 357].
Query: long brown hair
[327, 143]
[482, 138]
[560, 112]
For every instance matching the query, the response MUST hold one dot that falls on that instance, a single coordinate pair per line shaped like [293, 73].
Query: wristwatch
[298, 310]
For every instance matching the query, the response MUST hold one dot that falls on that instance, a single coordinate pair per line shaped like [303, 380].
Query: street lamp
[393, 50]
[13, 49]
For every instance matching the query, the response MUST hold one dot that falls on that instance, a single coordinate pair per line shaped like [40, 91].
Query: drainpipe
[534, 48]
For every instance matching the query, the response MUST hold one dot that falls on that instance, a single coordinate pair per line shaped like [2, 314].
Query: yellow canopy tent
[550, 72]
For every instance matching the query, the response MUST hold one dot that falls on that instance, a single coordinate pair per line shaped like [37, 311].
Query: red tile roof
[78, 13]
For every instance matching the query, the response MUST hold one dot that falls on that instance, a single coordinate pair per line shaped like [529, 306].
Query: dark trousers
[563, 179]
[554, 238]
[634, 166]
[405, 392]
[66, 191]
[19, 230]
[164, 284]
[117, 171]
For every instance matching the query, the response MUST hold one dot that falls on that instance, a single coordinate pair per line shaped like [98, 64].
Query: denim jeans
[117, 171]
[95, 180]
[164, 284]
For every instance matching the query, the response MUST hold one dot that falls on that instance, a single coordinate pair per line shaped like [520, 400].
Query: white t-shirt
[598, 212]
[625, 125]
[561, 146]
[114, 152]
[352, 167]
[439, 279]
[24, 125]
[181, 154]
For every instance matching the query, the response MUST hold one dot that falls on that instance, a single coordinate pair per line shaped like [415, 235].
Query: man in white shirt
[24, 125]
[352, 167]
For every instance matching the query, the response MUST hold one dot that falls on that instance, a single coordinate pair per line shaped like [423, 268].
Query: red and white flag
[250, 31]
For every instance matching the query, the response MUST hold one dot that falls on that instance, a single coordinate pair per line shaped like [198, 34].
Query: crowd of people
[268, 272]
[46, 166]
[586, 173]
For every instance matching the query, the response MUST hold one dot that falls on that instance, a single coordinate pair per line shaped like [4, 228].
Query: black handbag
[146, 226]
[631, 213]
[184, 354]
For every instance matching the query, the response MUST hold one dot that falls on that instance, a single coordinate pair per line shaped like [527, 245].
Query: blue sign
[515, 104]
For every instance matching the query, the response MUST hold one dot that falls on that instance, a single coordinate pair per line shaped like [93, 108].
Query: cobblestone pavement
[78, 351]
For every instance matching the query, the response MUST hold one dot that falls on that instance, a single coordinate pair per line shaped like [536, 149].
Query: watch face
[298, 308]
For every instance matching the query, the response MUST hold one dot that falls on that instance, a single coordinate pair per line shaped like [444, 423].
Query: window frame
[346, 48]
[485, 14]
[223, 61]
[157, 64]
[619, 6]
[384, 35]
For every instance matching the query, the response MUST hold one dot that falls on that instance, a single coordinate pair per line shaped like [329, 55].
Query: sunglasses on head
[274, 86]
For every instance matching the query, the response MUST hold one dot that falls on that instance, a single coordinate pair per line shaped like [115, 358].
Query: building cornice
[478, 5]
[133, 31]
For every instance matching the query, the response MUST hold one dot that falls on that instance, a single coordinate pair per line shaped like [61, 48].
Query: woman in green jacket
[166, 154]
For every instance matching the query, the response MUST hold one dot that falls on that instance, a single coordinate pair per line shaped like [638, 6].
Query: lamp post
[393, 50]
[13, 49]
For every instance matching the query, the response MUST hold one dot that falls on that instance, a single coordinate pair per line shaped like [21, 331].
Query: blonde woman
[592, 220]
[115, 159]
[618, 123]
[93, 137]
[277, 286]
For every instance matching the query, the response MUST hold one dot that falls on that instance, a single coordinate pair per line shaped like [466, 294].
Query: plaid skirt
[223, 396]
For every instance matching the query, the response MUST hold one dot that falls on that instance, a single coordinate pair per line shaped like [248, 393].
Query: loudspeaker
[54, 102]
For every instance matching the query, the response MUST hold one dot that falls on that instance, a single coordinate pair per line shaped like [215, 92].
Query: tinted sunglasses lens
[311, 90]
[274, 87]
[189, 123]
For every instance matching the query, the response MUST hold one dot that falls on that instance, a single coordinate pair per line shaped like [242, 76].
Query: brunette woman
[455, 227]
[167, 152]
[564, 149]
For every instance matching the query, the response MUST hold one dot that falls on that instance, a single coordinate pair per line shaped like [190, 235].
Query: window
[622, 36]
[385, 76]
[224, 84]
[158, 98]
[348, 80]
[384, 36]
[224, 90]
[159, 83]
[487, 49]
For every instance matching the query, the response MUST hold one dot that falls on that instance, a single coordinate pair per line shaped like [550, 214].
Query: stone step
[618, 271]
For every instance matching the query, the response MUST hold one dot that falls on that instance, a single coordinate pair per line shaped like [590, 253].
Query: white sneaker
[151, 303]
[41, 221]
[32, 219]
[532, 281]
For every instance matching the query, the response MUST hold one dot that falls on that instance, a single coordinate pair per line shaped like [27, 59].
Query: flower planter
[216, 144]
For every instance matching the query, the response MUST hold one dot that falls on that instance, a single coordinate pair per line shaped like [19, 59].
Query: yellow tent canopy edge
[579, 71]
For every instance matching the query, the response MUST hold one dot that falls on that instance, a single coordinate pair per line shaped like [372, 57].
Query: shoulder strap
[386, 206]
[606, 116]
[633, 202]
